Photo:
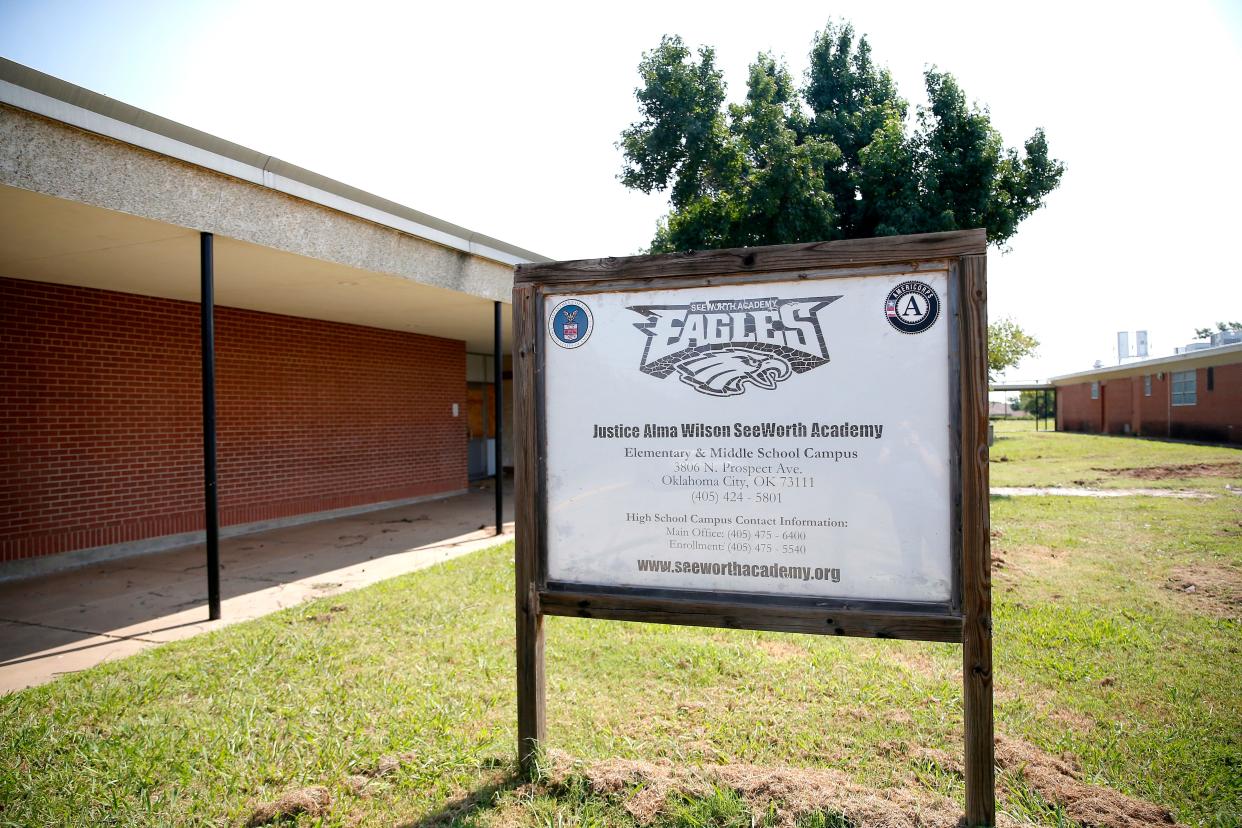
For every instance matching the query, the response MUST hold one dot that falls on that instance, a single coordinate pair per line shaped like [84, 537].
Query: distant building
[1004, 409]
[1195, 395]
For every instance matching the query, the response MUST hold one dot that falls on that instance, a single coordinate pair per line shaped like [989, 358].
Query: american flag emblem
[890, 307]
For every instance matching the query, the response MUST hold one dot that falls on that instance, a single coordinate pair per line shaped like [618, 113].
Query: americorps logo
[723, 347]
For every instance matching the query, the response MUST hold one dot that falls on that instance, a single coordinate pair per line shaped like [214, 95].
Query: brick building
[1193, 396]
[354, 337]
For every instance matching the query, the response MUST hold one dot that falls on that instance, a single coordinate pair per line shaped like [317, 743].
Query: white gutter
[207, 151]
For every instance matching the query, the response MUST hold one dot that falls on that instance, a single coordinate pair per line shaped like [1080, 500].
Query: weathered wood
[884, 250]
[681, 282]
[976, 549]
[695, 612]
[527, 540]
[966, 618]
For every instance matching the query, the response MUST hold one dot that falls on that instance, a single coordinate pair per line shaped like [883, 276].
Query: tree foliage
[1036, 403]
[1008, 345]
[1221, 327]
[837, 157]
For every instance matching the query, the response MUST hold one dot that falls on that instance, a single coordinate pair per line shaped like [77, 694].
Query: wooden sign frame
[965, 619]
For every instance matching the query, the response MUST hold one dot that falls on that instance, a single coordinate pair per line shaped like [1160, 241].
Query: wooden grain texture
[695, 612]
[526, 476]
[806, 256]
[976, 550]
[925, 268]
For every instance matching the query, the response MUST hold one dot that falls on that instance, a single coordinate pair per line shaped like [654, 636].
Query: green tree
[1008, 345]
[836, 158]
[1036, 403]
[1222, 327]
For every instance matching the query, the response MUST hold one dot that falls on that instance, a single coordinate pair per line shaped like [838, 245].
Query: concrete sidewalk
[66, 622]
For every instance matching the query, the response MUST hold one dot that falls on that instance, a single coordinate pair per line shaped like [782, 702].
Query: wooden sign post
[788, 438]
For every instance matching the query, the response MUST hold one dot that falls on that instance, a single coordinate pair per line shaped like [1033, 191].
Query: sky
[504, 118]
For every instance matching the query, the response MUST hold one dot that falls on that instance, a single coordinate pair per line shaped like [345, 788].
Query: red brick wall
[1155, 409]
[100, 410]
[1076, 411]
[1216, 415]
[1118, 405]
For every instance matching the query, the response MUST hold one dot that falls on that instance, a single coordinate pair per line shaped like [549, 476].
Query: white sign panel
[785, 438]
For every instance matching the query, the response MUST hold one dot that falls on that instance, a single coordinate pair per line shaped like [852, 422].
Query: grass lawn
[1022, 456]
[398, 699]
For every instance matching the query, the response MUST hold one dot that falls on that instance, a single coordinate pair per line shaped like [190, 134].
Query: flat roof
[1206, 357]
[1020, 386]
[51, 97]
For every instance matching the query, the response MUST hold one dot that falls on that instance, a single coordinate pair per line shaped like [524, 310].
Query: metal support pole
[498, 389]
[211, 501]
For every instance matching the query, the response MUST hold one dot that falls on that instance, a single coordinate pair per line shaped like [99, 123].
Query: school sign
[787, 438]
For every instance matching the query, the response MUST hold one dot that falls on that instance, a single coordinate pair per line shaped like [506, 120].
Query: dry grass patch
[313, 801]
[647, 789]
[781, 650]
[1212, 590]
[1177, 471]
[1057, 780]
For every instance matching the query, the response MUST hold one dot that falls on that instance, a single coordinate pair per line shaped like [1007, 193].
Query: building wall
[100, 406]
[1076, 411]
[1154, 410]
[1118, 396]
[1216, 415]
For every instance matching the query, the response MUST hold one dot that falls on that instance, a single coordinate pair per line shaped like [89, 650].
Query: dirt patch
[1030, 559]
[312, 801]
[1035, 491]
[1058, 780]
[916, 662]
[1046, 704]
[781, 650]
[387, 764]
[1216, 590]
[325, 617]
[644, 789]
[1174, 472]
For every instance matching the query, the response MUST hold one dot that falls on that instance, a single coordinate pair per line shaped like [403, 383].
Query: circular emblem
[571, 323]
[912, 307]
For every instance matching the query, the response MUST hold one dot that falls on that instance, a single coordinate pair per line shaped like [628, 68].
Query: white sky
[503, 119]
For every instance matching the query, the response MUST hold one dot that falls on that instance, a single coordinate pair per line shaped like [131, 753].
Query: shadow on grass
[463, 811]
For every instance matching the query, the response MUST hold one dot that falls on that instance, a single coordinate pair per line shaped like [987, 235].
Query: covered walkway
[70, 621]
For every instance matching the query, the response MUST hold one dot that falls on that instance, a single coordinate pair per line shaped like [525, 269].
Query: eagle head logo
[724, 373]
[570, 315]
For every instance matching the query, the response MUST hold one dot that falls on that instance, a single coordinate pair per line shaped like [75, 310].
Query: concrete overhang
[1206, 358]
[50, 239]
[95, 192]
[1020, 386]
[28, 89]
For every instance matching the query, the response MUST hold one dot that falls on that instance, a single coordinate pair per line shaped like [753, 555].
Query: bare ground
[1055, 491]
[313, 801]
[1215, 590]
[1186, 470]
[646, 789]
